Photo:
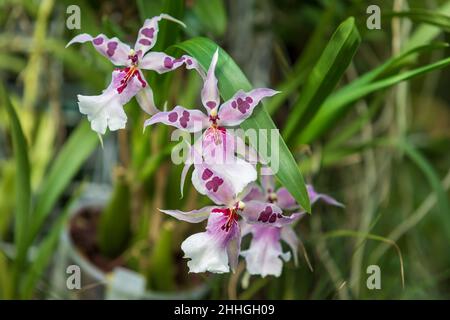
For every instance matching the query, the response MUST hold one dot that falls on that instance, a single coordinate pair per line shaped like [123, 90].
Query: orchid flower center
[215, 130]
[231, 215]
[130, 72]
[271, 196]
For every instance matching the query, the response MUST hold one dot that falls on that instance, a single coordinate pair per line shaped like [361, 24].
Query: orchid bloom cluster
[221, 172]
[106, 110]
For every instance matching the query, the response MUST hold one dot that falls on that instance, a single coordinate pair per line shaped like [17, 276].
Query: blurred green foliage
[365, 113]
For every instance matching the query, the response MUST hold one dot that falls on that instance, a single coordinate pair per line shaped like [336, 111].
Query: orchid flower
[217, 249]
[229, 114]
[217, 145]
[106, 110]
[265, 255]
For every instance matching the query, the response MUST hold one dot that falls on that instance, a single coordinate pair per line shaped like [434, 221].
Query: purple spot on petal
[173, 116]
[98, 41]
[266, 214]
[242, 105]
[148, 32]
[111, 48]
[145, 42]
[112, 45]
[207, 174]
[272, 218]
[168, 63]
[214, 184]
[189, 61]
[183, 122]
[211, 104]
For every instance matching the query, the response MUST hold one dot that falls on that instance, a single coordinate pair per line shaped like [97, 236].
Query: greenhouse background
[363, 114]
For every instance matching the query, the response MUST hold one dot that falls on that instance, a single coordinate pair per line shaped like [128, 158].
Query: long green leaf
[336, 106]
[205, 9]
[22, 184]
[231, 79]
[304, 64]
[434, 180]
[425, 16]
[324, 76]
[74, 153]
[45, 251]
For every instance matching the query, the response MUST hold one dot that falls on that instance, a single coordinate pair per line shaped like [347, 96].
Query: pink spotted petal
[113, 49]
[258, 212]
[213, 183]
[181, 118]
[241, 106]
[149, 32]
[210, 92]
[193, 216]
[238, 174]
[162, 63]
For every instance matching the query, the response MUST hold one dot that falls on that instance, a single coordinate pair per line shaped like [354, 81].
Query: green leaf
[304, 64]
[45, 250]
[324, 76]
[425, 16]
[162, 272]
[433, 178]
[73, 154]
[22, 185]
[212, 15]
[168, 30]
[231, 79]
[116, 220]
[337, 105]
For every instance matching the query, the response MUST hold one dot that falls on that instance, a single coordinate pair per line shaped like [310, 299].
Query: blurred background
[375, 135]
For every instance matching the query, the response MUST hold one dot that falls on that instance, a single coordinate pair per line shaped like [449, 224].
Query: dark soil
[83, 233]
